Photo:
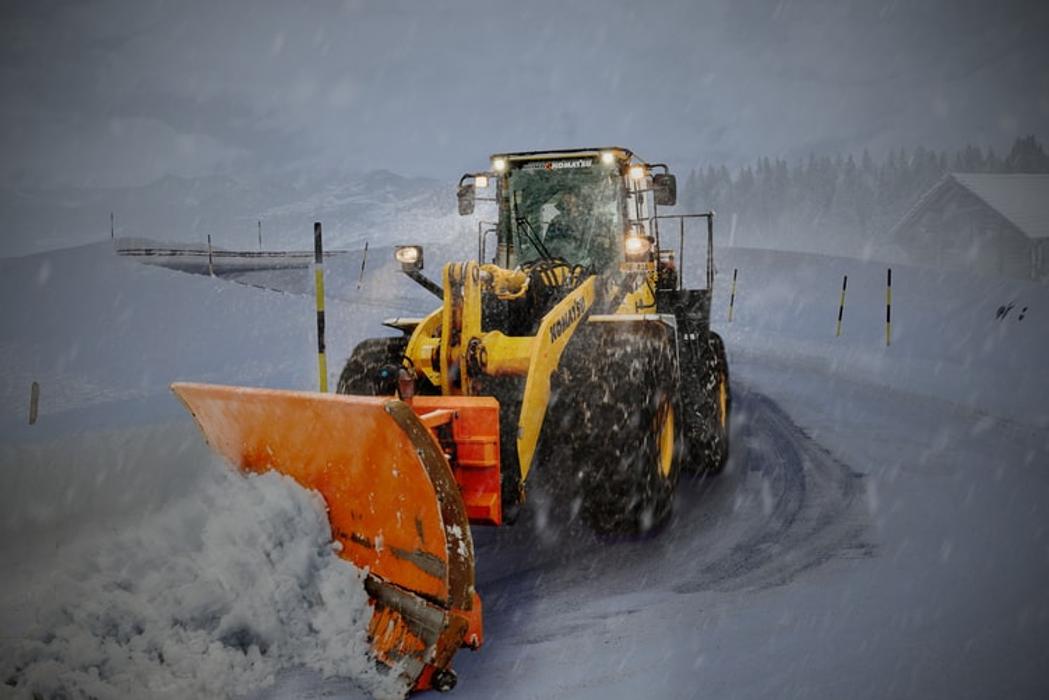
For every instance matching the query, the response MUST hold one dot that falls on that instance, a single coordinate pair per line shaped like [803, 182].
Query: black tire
[372, 367]
[628, 444]
[707, 398]
[507, 391]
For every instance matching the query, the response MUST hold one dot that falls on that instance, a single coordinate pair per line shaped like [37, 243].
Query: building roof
[1023, 199]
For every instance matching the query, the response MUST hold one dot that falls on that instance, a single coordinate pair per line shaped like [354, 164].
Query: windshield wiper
[524, 226]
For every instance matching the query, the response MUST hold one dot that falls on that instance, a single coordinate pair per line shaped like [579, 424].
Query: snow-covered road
[861, 543]
[593, 616]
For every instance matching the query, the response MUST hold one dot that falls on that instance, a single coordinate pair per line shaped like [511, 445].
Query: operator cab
[592, 208]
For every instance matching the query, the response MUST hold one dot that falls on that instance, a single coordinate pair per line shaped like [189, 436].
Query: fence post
[260, 235]
[364, 261]
[888, 308]
[841, 304]
[112, 227]
[732, 297]
[34, 402]
[318, 278]
[211, 266]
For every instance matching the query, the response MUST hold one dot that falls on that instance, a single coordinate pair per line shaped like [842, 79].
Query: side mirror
[466, 199]
[665, 186]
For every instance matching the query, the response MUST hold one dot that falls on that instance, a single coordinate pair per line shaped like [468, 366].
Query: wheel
[507, 391]
[707, 403]
[628, 443]
[716, 439]
[372, 367]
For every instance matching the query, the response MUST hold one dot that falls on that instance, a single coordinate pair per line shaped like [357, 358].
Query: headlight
[481, 181]
[637, 246]
[637, 172]
[607, 157]
[499, 165]
[409, 256]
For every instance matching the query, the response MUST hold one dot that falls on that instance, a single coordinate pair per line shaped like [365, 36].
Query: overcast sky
[121, 93]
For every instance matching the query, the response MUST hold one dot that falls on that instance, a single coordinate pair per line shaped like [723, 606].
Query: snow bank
[209, 598]
[135, 566]
[108, 478]
[97, 331]
[976, 341]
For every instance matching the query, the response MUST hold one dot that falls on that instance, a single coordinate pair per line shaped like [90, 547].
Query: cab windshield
[572, 213]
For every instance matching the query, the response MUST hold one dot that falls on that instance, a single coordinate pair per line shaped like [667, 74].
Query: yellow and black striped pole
[318, 277]
[732, 297]
[888, 308]
[841, 304]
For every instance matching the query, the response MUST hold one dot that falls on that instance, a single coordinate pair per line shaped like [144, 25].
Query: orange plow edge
[393, 502]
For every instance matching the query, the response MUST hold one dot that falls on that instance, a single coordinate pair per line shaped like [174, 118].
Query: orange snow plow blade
[392, 500]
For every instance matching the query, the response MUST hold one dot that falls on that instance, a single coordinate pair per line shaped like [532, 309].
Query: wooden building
[991, 224]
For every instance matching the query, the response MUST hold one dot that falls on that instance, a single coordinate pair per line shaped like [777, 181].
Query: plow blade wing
[392, 501]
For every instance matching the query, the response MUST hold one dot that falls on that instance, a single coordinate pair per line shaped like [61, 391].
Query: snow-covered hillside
[188, 210]
[123, 537]
[137, 565]
[977, 341]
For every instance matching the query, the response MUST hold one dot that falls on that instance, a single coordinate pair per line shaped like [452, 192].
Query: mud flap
[392, 501]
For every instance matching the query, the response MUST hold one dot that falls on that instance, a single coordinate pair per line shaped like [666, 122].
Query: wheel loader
[573, 355]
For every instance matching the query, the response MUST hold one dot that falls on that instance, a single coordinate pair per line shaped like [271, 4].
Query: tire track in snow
[782, 505]
[785, 505]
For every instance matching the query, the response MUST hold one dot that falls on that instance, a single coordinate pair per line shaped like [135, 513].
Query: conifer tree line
[841, 199]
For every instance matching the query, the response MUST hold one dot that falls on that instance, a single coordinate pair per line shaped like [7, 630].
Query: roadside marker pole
[260, 234]
[841, 304]
[732, 297]
[112, 228]
[211, 267]
[364, 261]
[34, 402]
[318, 278]
[888, 308]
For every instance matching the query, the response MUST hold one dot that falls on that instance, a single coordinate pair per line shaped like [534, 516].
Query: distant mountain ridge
[354, 208]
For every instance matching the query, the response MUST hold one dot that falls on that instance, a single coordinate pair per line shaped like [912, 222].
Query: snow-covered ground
[879, 532]
[976, 341]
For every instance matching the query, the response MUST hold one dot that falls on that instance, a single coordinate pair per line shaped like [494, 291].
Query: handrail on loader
[709, 216]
